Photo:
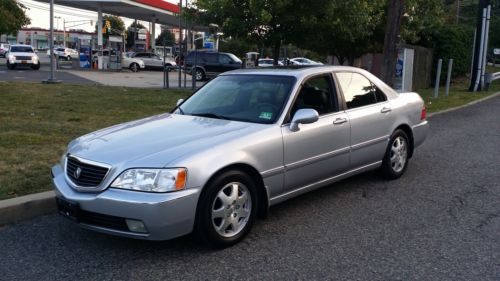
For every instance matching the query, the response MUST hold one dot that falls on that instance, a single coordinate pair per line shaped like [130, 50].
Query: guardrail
[490, 77]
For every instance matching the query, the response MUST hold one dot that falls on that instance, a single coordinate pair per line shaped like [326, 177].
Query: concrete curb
[33, 205]
[465, 105]
[25, 207]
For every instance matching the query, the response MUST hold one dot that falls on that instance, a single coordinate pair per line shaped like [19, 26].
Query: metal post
[64, 33]
[52, 77]
[180, 43]
[485, 45]
[480, 57]
[193, 68]
[438, 75]
[448, 77]
[164, 68]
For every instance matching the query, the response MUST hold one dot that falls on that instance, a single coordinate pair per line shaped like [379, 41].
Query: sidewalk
[126, 78]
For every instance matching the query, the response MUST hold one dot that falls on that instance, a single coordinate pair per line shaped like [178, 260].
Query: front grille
[89, 175]
[102, 220]
[23, 58]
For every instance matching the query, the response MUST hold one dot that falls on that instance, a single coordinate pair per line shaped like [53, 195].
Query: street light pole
[64, 33]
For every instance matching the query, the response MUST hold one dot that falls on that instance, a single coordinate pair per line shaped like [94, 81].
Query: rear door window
[358, 91]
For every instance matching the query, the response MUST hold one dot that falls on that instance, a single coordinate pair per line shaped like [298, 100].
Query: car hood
[158, 140]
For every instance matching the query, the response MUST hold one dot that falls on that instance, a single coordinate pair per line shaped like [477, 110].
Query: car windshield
[60, 49]
[247, 98]
[235, 58]
[21, 49]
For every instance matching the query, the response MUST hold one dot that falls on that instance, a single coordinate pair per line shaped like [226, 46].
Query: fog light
[136, 226]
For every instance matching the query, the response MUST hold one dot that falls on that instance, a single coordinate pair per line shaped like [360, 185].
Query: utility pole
[394, 17]
[180, 43]
[480, 46]
[52, 78]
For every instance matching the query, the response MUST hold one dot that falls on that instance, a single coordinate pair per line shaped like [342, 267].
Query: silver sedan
[247, 140]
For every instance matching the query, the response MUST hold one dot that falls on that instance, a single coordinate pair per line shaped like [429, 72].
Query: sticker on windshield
[266, 115]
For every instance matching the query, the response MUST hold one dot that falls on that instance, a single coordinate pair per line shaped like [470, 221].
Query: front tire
[199, 74]
[35, 66]
[396, 156]
[10, 66]
[134, 67]
[226, 210]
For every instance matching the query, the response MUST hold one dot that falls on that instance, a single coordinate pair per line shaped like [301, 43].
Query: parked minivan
[210, 64]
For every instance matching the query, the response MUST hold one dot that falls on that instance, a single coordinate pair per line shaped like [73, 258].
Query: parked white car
[268, 63]
[4, 47]
[154, 61]
[304, 61]
[67, 53]
[134, 64]
[22, 55]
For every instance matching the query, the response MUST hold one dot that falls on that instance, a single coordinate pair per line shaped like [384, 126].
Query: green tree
[167, 36]
[346, 29]
[116, 23]
[132, 33]
[268, 23]
[12, 16]
[421, 18]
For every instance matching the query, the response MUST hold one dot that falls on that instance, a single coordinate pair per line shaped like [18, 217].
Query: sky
[40, 16]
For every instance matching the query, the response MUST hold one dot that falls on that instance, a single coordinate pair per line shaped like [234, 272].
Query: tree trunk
[276, 52]
[341, 60]
[394, 17]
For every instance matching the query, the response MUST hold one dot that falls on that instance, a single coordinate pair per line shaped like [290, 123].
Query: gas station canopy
[161, 11]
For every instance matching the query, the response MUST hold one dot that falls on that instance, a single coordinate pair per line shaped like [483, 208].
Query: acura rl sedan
[247, 140]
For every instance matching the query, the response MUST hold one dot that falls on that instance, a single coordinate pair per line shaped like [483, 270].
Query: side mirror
[303, 116]
[180, 101]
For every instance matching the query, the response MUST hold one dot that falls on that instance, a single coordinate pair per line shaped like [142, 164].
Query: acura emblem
[77, 172]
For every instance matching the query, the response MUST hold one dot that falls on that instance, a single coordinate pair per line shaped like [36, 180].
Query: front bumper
[165, 215]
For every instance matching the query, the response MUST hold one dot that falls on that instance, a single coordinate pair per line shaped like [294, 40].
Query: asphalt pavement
[440, 221]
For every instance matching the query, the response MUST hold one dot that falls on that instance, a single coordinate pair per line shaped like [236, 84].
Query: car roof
[297, 72]
[302, 72]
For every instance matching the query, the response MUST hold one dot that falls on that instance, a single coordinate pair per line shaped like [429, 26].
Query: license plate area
[68, 209]
[24, 62]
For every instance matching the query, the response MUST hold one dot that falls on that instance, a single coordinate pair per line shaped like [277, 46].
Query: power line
[56, 10]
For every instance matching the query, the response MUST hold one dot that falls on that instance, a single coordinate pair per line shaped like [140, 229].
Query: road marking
[17, 77]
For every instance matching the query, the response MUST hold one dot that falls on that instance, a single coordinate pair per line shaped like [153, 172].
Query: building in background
[39, 37]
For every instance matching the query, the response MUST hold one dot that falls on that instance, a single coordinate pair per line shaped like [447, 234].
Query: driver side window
[316, 93]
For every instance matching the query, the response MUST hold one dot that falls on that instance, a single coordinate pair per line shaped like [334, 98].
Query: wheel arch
[407, 129]
[262, 194]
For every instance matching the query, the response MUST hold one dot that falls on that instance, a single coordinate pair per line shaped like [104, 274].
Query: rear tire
[226, 209]
[396, 155]
[199, 74]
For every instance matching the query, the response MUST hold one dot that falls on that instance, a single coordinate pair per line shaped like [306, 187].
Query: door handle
[339, 121]
[385, 110]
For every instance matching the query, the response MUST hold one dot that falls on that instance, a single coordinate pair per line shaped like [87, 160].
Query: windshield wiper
[210, 115]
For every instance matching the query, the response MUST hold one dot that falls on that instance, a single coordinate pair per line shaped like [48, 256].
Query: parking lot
[66, 73]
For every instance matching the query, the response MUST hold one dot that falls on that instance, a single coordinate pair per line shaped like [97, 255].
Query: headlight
[34, 58]
[152, 180]
[11, 58]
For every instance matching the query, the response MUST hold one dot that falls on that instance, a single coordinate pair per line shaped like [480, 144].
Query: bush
[452, 42]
